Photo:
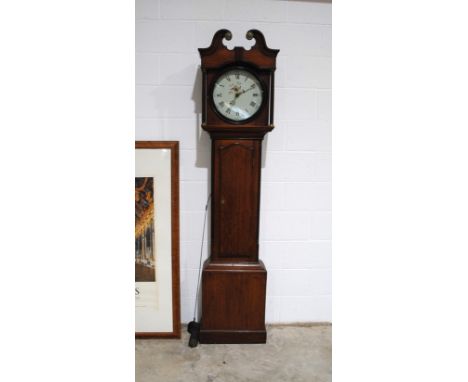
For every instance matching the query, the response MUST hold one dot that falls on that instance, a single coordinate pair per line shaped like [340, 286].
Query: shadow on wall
[203, 156]
[312, 1]
[202, 137]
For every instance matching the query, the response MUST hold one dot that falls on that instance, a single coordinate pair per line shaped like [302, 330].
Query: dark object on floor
[194, 330]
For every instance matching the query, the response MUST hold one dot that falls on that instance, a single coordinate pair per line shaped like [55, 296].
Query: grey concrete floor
[292, 353]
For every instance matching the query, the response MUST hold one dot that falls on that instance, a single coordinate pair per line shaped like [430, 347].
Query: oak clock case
[234, 279]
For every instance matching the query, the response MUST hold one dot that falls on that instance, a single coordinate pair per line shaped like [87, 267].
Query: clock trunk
[236, 199]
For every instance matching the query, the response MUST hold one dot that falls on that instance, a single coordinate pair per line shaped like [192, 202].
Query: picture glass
[145, 261]
[153, 238]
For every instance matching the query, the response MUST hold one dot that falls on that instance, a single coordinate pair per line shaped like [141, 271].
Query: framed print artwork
[157, 292]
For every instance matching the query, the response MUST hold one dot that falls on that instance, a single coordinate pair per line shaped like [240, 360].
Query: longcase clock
[238, 94]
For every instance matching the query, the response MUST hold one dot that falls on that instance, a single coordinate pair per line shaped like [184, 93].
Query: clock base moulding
[233, 303]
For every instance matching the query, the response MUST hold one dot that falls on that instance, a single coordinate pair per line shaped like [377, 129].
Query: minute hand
[243, 91]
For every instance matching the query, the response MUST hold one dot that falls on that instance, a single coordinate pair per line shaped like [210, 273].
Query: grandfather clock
[238, 93]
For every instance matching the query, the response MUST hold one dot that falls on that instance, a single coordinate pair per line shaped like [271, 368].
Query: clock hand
[243, 91]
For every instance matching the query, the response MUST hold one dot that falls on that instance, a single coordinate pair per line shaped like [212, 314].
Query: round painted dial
[237, 95]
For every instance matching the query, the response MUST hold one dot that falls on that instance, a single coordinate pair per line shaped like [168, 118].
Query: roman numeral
[229, 79]
[253, 86]
[252, 104]
[219, 95]
[228, 111]
[237, 76]
[221, 104]
[255, 94]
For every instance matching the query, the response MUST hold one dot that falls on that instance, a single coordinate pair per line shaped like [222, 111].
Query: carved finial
[260, 42]
[217, 42]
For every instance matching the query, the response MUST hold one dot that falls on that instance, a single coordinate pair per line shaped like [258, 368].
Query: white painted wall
[296, 179]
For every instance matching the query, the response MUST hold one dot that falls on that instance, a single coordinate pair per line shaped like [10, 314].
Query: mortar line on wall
[179, 54]
[291, 211]
[167, 21]
[237, 21]
[187, 85]
[302, 269]
[270, 267]
[139, 51]
[300, 151]
[303, 88]
[277, 124]
[302, 296]
[166, 86]
[296, 181]
[295, 241]
[286, 151]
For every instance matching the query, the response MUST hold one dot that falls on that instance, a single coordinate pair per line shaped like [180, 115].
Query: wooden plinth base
[233, 337]
[233, 303]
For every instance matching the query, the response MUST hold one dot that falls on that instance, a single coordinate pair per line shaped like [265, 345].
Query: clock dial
[237, 95]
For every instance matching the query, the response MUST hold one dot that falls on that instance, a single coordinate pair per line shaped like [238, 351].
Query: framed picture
[157, 291]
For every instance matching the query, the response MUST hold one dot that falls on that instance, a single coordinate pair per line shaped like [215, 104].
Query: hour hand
[243, 91]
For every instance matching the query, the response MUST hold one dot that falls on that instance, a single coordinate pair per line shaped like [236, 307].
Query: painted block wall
[295, 230]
